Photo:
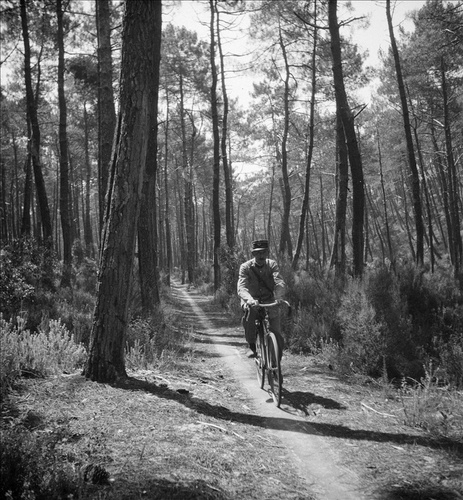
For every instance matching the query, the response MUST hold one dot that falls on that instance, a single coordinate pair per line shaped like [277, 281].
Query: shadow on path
[302, 400]
[282, 423]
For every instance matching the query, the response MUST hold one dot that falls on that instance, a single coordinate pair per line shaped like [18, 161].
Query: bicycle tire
[274, 368]
[260, 360]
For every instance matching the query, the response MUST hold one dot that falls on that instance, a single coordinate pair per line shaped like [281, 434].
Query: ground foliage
[394, 338]
[181, 427]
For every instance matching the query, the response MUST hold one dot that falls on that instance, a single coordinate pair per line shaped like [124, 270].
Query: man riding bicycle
[260, 281]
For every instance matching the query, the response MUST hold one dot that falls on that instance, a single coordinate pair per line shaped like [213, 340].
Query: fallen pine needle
[376, 411]
[220, 428]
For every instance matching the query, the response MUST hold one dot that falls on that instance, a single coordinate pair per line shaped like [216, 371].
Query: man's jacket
[264, 283]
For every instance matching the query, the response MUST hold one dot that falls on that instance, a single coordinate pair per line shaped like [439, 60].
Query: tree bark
[338, 255]
[106, 110]
[355, 159]
[285, 239]
[417, 209]
[65, 195]
[139, 54]
[216, 160]
[227, 175]
[455, 240]
[147, 224]
[88, 234]
[34, 141]
[305, 200]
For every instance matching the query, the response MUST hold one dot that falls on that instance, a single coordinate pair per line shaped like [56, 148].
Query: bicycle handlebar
[273, 304]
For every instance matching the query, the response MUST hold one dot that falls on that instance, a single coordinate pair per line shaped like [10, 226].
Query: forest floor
[202, 429]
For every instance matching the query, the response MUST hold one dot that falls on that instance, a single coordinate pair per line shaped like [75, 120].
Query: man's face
[260, 256]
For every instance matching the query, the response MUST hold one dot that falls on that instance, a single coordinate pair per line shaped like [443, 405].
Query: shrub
[363, 345]
[315, 299]
[27, 276]
[451, 359]
[10, 362]
[50, 351]
[29, 469]
[148, 339]
[75, 309]
[230, 261]
[433, 407]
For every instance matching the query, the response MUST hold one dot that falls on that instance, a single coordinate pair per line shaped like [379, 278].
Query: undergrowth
[50, 351]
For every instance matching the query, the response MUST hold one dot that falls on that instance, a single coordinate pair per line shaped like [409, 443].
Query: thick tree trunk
[140, 51]
[147, 224]
[355, 160]
[418, 212]
[106, 110]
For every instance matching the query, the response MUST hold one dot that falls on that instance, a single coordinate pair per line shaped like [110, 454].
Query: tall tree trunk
[166, 192]
[88, 234]
[27, 204]
[188, 189]
[140, 51]
[285, 239]
[383, 191]
[106, 110]
[227, 174]
[65, 195]
[355, 159]
[417, 209]
[216, 160]
[34, 140]
[305, 200]
[147, 223]
[338, 255]
[456, 245]
[443, 185]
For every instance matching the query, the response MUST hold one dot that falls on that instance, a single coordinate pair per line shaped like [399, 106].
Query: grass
[182, 428]
[162, 435]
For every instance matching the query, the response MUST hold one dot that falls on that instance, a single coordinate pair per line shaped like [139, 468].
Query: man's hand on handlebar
[253, 303]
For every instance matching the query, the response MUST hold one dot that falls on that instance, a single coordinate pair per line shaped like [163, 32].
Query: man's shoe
[252, 351]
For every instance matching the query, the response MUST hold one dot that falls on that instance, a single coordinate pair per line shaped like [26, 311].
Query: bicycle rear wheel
[260, 360]
[274, 368]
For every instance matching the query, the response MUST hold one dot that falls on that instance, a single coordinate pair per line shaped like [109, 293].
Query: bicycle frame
[268, 355]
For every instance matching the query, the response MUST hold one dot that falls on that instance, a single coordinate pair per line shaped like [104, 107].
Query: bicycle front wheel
[274, 368]
[260, 360]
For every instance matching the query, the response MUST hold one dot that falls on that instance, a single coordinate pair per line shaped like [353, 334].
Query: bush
[75, 308]
[29, 470]
[27, 276]
[451, 359]
[148, 339]
[315, 299]
[50, 351]
[430, 405]
[363, 342]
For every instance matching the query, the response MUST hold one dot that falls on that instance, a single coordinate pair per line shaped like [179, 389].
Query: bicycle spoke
[260, 360]
[274, 369]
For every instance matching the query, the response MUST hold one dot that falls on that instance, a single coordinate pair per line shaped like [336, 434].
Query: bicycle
[268, 357]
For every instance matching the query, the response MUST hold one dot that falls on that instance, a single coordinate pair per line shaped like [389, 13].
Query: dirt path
[316, 459]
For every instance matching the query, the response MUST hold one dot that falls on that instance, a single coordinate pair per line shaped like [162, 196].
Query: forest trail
[316, 460]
